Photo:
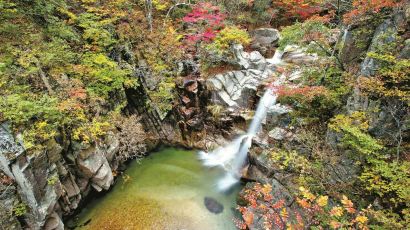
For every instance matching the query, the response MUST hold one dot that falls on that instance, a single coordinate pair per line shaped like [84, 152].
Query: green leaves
[103, 75]
[95, 30]
[302, 34]
[21, 109]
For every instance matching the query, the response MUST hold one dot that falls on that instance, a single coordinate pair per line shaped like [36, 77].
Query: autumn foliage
[310, 210]
[205, 20]
[361, 8]
[309, 92]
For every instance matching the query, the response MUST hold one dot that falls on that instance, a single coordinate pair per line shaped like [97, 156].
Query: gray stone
[70, 187]
[112, 146]
[266, 36]
[264, 39]
[297, 55]
[257, 61]
[279, 191]
[405, 52]
[234, 89]
[8, 198]
[9, 149]
[277, 134]
[54, 151]
[384, 34]
[103, 179]
[353, 45]
[90, 166]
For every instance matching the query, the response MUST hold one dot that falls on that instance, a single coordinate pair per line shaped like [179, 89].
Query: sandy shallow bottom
[164, 191]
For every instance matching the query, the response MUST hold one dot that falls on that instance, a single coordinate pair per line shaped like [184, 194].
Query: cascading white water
[232, 157]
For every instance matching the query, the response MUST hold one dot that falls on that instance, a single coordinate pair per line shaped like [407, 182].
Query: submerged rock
[213, 205]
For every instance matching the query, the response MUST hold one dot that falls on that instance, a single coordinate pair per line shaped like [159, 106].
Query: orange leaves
[248, 217]
[363, 7]
[308, 92]
[303, 203]
[347, 204]
[78, 93]
[297, 9]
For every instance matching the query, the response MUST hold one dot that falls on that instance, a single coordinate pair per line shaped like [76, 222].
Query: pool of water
[165, 190]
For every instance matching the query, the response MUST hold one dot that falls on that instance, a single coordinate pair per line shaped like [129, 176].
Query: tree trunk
[148, 9]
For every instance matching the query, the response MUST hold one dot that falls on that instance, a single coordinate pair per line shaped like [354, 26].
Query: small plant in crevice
[19, 209]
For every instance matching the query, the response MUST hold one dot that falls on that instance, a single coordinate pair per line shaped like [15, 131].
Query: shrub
[132, 137]
[228, 36]
[20, 209]
[22, 109]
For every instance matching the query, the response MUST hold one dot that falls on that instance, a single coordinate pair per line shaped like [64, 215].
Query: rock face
[52, 183]
[234, 89]
[384, 34]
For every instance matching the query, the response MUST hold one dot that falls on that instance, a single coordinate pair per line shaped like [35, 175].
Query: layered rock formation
[51, 184]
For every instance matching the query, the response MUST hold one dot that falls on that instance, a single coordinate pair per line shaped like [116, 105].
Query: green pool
[165, 190]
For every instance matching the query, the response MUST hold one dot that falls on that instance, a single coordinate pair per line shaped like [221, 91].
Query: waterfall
[232, 157]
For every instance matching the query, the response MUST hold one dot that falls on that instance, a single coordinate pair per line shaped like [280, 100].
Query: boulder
[264, 39]
[103, 179]
[54, 222]
[297, 55]
[277, 134]
[90, 165]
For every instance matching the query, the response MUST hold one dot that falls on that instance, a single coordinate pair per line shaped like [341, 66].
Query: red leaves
[205, 13]
[205, 20]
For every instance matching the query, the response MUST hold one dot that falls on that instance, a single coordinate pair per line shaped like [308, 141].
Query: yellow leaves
[361, 219]
[102, 59]
[322, 201]
[284, 213]
[357, 119]
[91, 131]
[72, 17]
[266, 189]
[306, 194]
[336, 211]
[160, 5]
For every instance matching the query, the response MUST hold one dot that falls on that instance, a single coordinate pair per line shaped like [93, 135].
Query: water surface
[165, 190]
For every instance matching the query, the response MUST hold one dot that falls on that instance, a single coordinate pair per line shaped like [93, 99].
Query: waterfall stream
[232, 157]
